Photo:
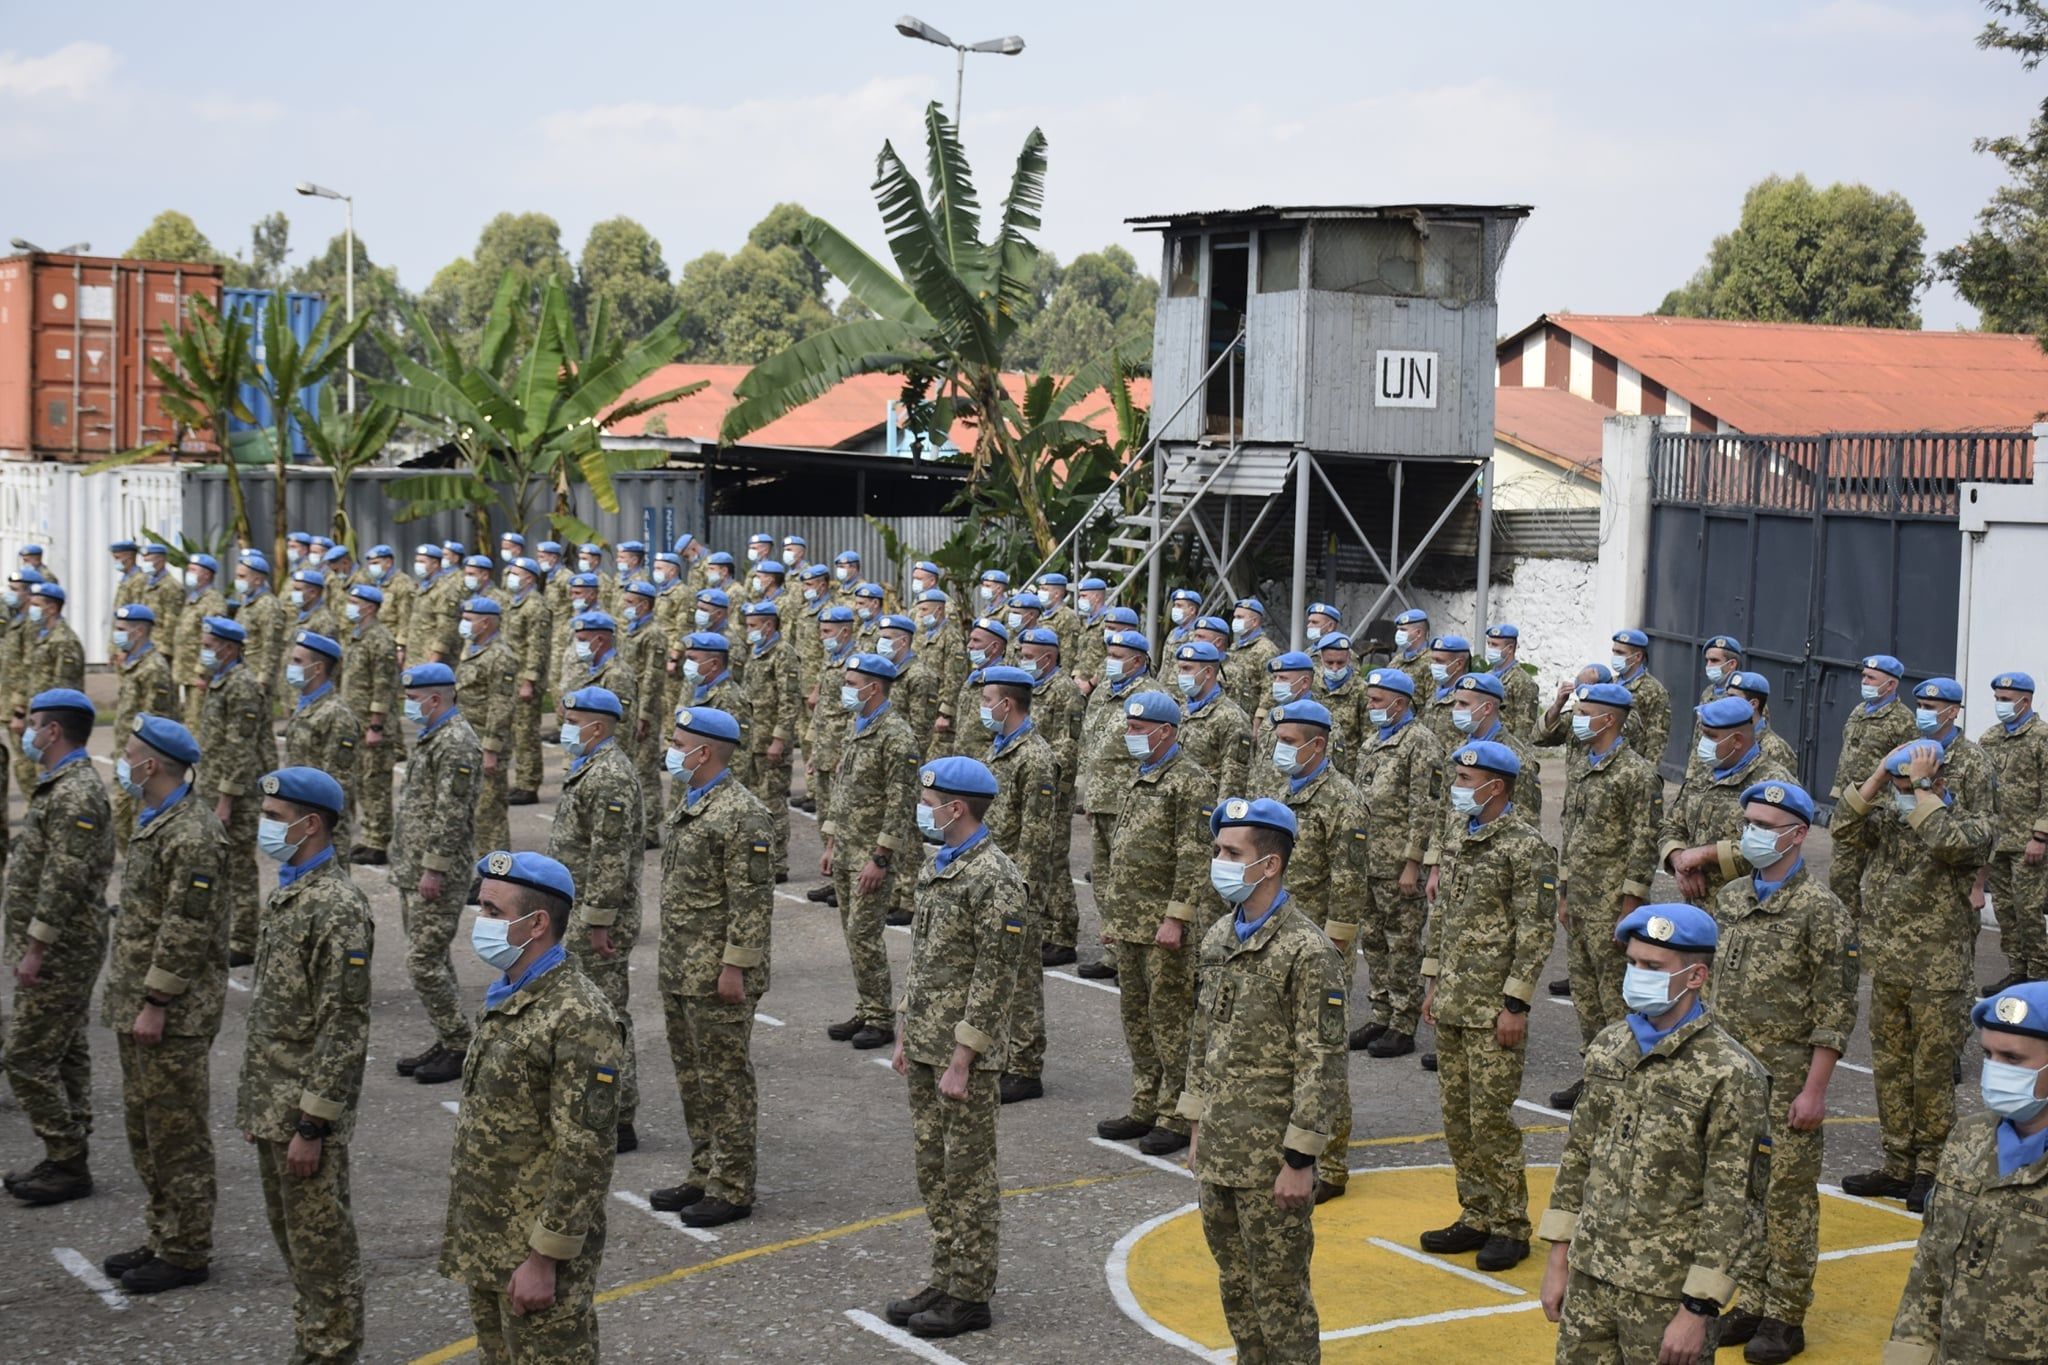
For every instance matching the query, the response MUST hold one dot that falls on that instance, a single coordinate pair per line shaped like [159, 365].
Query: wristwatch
[1705, 1308]
[1925, 784]
[313, 1130]
[1296, 1161]
[1514, 1006]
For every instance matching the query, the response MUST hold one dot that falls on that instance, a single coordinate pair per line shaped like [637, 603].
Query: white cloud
[74, 71]
[1852, 19]
[228, 109]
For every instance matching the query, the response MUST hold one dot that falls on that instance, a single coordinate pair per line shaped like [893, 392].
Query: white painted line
[896, 1336]
[1432, 1319]
[1123, 1149]
[668, 1220]
[88, 1272]
[1117, 1270]
[1875, 1249]
[545, 816]
[1084, 981]
[1543, 1109]
[99, 758]
[884, 1063]
[235, 985]
[452, 1106]
[1852, 1066]
[799, 810]
[770, 1020]
[897, 928]
[1564, 1000]
[1425, 1258]
[1884, 1204]
[795, 899]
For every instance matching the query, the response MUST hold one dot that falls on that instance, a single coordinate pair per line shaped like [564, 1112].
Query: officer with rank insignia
[1878, 724]
[1411, 650]
[1495, 918]
[302, 1062]
[1649, 720]
[53, 905]
[1215, 730]
[1266, 1085]
[146, 685]
[2017, 877]
[370, 688]
[598, 835]
[1700, 839]
[1057, 709]
[1659, 1199]
[532, 1162]
[1502, 652]
[1024, 822]
[526, 630]
[1251, 650]
[487, 682]
[1974, 1292]
[234, 734]
[953, 1030]
[774, 704]
[866, 830]
[323, 731]
[430, 859]
[167, 977]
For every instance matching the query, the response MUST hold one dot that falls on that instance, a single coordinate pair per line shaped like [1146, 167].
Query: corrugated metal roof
[1554, 423]
[1148, 221]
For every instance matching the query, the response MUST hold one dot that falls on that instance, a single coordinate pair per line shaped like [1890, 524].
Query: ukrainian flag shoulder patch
[606, 1075]
[202, 883]
[1012, 925]
[358, 958]
[86, 824]
[760, 848]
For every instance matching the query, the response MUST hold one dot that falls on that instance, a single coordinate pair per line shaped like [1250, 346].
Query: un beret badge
[1137, 708]
[2003, 682]
[1774, 794]
[928, 777]
[2010, 1010]
[1236, 808]
[1582, 692]
[1375, 677]
[138, 723]
[300, 638]
[1660, 928]
[1468, 758]
[269, 784]
[499, 863]
[1279, 714]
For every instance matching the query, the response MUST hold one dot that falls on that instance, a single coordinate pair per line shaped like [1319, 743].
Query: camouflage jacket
[401, 594]
[309, 1007]
[804, 642]
[1974, 1292]
[526, 635]
[1708, 811]
[1612, 811]
[128, 588]
[1326, 875]
[1266, 1058]
[1784, 979]
[171, 931]
[57, 868]
[829, 722]
[1346, 703]
[964, 943]
[717, 891]
[774, 696]
[1495, 916]
[1917, 924]
[263, 617]
[1090, 650]
[1023, 820]
[2019, 759]
[486, 686]
[369, 682]
[874, 793]
[324, 733]
[1416, 666]
[1400, 779]
[185, 638]
[1661, 1188]
[166, 597]
[614, 673]
[914, 693]
[1106, 765]
[436, 822]
[55, 659]
[1064, 622]
[728, 693]
[535, 1135]
[1868, 736]
[1648, 726]
[1520, 709]
[1244, 673]
[433, 624]
[1159, 866]
[1057, 707]
[235, 742]
[1218, 737]
[962, 711]
[643, 654]
[598, 834]
[1527, 793]
[145, 687]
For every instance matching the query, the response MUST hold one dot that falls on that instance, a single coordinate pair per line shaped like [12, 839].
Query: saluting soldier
[774, 706]
[54, 908]
[1023, 822]
[1880, 723]
[263, 621]
[1502, 653]
[1057, 707]
[167, 979]
[534, 1138]
[2017, 876]
[430, 859]
[1266, 1083]
[487, 681]
[1649, 720]
[302, 1063]
[370, 688]
[1251, 649]
[146, 685]
[598, 834]
[526, 635]
[1216, 733]
[1699, 840]
[717, 911]
[324, 732]
[235, 736]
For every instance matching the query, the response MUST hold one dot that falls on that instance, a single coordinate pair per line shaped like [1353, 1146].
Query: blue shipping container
[304, 312]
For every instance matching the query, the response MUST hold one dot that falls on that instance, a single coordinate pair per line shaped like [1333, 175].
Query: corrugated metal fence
[75, 516]
[828, 536]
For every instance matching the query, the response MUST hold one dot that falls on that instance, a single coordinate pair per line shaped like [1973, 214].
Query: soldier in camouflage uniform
[1784, 985]
[1251, 649]
[201, 599]
[1450, 659]
[369, 686]
[235, 736]
[55, 913]
[52, 658]
[643, 655]
[1502, 651]
[1266, 1084]
[710, 679]
[943, 640]
[324, 731]
[1649, 720]
[381, 571]
[955, 731]
[2017, 877]
[952, 1038]
[263, 622]
[1024, 823]
[1965, 1301]
[1215, 732]
[774, 710]
[1342, 692]
[526, 635]
[810, 653]
[554, 594]
[1104, 757]
[1880, 723]
[1059, 615]
[1154, 903]
[1183, 606]
[1091, 642]
[598, 834]
[487, 681]
[717, 909]
[13, 663]
[308, 597]
[1057, 707]
[163, 592]
[302, 1063]
[572, 670]
[432, 634]
[1926, 820]
[167, 978]
[1411, 652]
[128, 578]
[1698, 841]
[430, 859]
[826, 737]
[1475, 714]
[534, 1138]
[866, 830]
[916, 693]
[1659, 1199]
[146, 685]
[1755, 688]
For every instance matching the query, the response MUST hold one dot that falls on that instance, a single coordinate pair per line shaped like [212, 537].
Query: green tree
[784, 226]
[622, 265]
[527, 246]
[344, 442]
[1845, 255]
[1098, 297]
[378, 294]
[743, 308]
[269, 245]
[2001, 269]
[288, 368]
[171, 236]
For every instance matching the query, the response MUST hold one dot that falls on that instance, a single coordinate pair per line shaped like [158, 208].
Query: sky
[1633, 129]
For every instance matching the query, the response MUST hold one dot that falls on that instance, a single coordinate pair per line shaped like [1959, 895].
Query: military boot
[121, 1262]
[674, 1198]
[1502, 1252]
[1162, 1142]
[408, 1065]
[1015, 1089]
[1568, 1098]
[1056, 954]
[626, 1141]
[55, 1182]
[1456, 1238]
[1917, 1193]
[1365, 1035]
[159, 1275]
[1737, 1328]
[13, 1178]
[1326, 1191]
[871, 1036]
[901, 1311]
[1392, 1043]
[444, 1065]
[1774, 1343]
[1876, 1185]
[843, 1032]
[1122, 1129]
[949, 1317]
[713, 1212]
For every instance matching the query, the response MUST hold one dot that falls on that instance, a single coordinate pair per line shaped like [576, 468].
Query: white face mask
[1180, 616]
[790, 557]
[755, 554]
[1647, 992]
[1440, 672]
[988, 719]
[1869, 693]
[422, 569]
[209, 660]
[1708, 750]
[352, 611]
[849, 697]
[1465, 722]
[886, 647]
[1240, 626]
[1283, 691]
[1379, 717]
[986, 593]
[299, 597]
[1403, 639]
[2005, 710]
[1138, 746]
[572, 739]
[2009, 1091]
[977, 657]
[1188, 683]
[673, 762]
[701, 617]
[1904, 802]
[864, 613]
[1113, 669]
[514, 580]
[192, 578]
[121, 641]
[467, 629]
[583, 651]
[1228, 879]
[1926, 719]
[692, 670]
[1493, 654]
[1287, 758]
[270, 838]
[1464, 800]
[1582, 728]
[1715, 673]
[295, 677]
[1759, 845]
[1314, 633]
[415, 711]
[1014, 620]
[754, 637]
[35, 611]
[810, 594]
[487, 939]
[623, 565]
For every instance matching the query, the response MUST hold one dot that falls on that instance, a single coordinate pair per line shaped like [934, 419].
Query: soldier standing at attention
[1251, 650]
[1105, 757]
[572, 670]
[431, 636]
[487, 681]
[526, 635]
[1411, 650]
[717, 912]
[1089, 644]
[643, 655]
[167, 982]
[234, 734]
[2016, 877]
[263, 622]
[1450, 658]
[202, 598]
[163, 592]
[309, 598]
[709, 679]
[370, 687]
[1502, 652]
[1659, 1199]
[128, 579]
[430, 859]
[1215, 732]
[1156, 897]
[774, 706]
[955, 1023]
[54, 907]
[1266, 1082]
[1700, 841]
[1876, 727]
[53, 659]
[1785, 986]
[1649, 720]
[1056, 710]
[539, 1119]
[1755, 689]
[826, 737]
[598, 835]
[1023, 822]
[1960, 1302]
[1339, 688]
[323, 732]
[302, 1065]
[145, 686]
[872, 795]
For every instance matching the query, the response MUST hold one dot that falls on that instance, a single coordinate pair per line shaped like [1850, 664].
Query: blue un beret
[594, 620]
[318, 643]
[1391, 680]
[168, 738]
[715, 597]
[1336, 639]
[993, 576]
[1131, 639]
[1301, 712]
[643, 587]
[52, 590]
[24, 575]
[304, 787]
[1634, 639]
[454, 547]
[536, 870]
[1725, 713]
[874, 665]
[380, 552]
[927, 566]
[1503, 631]
[120, 545]
[1727, 644]
[1885, 663]
[1186, 595]
[369, 592]
[253, 559]
[1126, 617]
[1215, 625]
[1028, 601]
[1755, 684]
[993, 627]
[1786, 796]
[1092, 584]
[336, 555]
[515, 537]
[1153, 706]
[139, 611]
[1687, 928]
[707, 641]
[1452, 644]
[1003, 675]
[2016, 1009]
[2014, 682]
[1265, 812]
[63, 699]
[958, 776]
[1291, 662]
[894, 621]
[1490, 755]
[1052, 580]
[1411, 617]
[770, 566]
[482, 606]
[1480, 682]
[836, 614]
[583, 580]
[633, 547]
[427, 675]
[1607, 693]
[1039, 635]
[874, 590]
[1250, 604]
[598, 700]
[479, 562]
[1324, 609]
[1896, 761]
[224, 628]
[549, 547]
[207, 562]
[1199, 652]
[1939, 689]
[722, 558]
[709, 722]
[813, 571]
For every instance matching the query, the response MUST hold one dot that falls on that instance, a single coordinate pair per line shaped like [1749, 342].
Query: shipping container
[76, 337]
[302, 313]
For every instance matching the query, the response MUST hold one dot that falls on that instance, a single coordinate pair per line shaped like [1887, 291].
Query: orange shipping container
[76, 337]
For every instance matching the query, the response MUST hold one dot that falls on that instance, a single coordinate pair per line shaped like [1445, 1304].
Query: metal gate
[1814, 551]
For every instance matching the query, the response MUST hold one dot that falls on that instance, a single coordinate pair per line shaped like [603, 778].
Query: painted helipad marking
[1084, 981]
[668, 1220]
[1431, 1319]
[1424, 1258]
[89, 1273]
[1876, 1249]
[235, 985]
[452, 1106]
[896, 1336]
[1887, 1206]
[1122, 1149]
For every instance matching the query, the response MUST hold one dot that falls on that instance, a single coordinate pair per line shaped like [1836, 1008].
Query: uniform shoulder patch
[202, 882]
[86, 824]
[615, 807]
[760, 848]
[1013, 924]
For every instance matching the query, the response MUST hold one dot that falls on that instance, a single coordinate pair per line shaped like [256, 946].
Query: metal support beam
[1152, 592]
[1352, 521]
[1302, 463]
[1401, 571]
[1479, 605]
[1251, 535]
[1202, 534]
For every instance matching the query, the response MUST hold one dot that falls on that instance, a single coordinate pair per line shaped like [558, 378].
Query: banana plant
[285, 370]
[345, 442]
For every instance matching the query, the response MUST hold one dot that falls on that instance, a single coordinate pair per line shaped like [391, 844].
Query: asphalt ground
[1101, 1255]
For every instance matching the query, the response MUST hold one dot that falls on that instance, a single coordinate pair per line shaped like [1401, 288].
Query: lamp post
[911, 27]
[349, 236]
[24, 244]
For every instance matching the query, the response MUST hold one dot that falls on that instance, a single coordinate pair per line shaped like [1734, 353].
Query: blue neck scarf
[946, 856]
[2015, 1151]
[504, 989]
[287, 873]
[1765, 890]
[1648, 1035]
[1244, 929]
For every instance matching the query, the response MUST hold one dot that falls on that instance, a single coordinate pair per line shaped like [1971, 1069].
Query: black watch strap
[1296, 1161]
[1514, 1006]
[1705, 1308]
[313, 1129]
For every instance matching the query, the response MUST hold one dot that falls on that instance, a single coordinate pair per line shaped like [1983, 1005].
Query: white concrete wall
[2004, 543]
[74, 516]
[1520, 480]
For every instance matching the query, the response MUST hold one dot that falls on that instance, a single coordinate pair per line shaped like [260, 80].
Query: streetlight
[912, 27]
[349, 229]
[24, 244]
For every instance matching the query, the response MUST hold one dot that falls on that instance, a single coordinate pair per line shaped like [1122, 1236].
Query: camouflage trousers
[1604, 1324]
[860, 918]
[1062, 911]
[613, 976]
[1158, 1005]
[956, 1178]
[1594, 963]
[770, 782]
[1101, 834]
[195, 705]
[316, 1233]
[1332, 1168]
[372, 792]
[2019, 895]
[238, 870]
[565, 1333]
[48, 1055]
[527, 719]
[1780, 1282]
[125, 812]
[1262, 1255]
[493, 817]
[710, 1042]
[1480, 1080]
[164, 1098]
[649, 757]
[1392, 941]
[1916, 1034]
[1845, 879]
[1025, 1055]
[429, 929]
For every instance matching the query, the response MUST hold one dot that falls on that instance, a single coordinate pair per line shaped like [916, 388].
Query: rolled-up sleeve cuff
[1907, 1353]
[529, 675]
[1852, 797]
[1305, 1141]
[491, 746]
[1524, 991]
[1834, 1042]
[826, 829]
[161, 982]
[780, 732]
[1921, 811]
[320, 1107]
[1428, 857]
[1731, 864]
[1179, 910]
[1640, 890]
[1343, 931]
[556, 1246]
[1558, 1226]
[1192, 1106]
[736, 956]
[890, 842]
[434, 862]
[968, 1036]
[600, 919]
[42, 932]
[228, 788]
[1705, 1282]
[1666, 849]
[1431, 967]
